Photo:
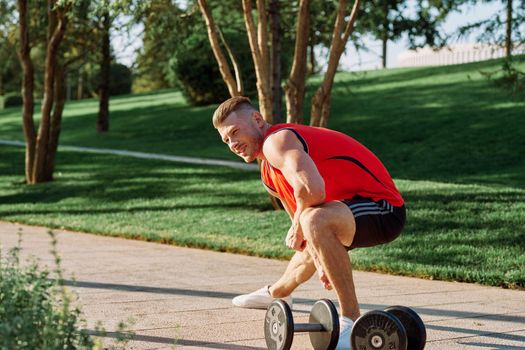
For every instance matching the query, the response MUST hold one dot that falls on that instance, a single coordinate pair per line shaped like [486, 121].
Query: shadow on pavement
[493, 346]
[304, 301]
[171, 341]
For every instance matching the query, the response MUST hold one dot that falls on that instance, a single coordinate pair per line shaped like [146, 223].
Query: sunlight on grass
[453, 142]
[465, 232]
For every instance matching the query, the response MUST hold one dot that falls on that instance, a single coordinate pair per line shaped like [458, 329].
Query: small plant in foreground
[35, 309]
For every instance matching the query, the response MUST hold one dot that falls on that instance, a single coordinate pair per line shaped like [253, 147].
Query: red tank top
[348, 168]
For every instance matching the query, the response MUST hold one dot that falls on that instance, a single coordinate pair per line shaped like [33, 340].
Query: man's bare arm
[285, 152]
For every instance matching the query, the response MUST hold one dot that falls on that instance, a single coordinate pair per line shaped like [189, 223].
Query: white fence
[454, 54]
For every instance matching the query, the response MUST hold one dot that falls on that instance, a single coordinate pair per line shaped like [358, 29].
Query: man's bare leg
[299, 270]
[328, 228]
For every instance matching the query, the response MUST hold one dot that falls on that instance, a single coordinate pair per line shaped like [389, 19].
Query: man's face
[242, 134]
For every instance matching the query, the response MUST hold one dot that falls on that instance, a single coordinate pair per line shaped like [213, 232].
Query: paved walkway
[183, 296]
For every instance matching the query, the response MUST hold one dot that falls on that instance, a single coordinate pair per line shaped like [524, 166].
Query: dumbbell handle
[308, 327]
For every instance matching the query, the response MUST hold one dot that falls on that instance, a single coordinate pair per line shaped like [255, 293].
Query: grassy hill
[454, 143]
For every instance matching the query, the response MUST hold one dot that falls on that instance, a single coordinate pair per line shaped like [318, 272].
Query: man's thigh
[376, 222]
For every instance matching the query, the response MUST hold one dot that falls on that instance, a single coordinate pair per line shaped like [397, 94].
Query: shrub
[11, 100]
[193, 67]
[120, 79]
[35, 310]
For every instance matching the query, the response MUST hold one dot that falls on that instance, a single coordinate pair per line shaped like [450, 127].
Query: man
[338, 194]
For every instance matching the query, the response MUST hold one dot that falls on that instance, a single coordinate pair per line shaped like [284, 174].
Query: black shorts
[375, 222]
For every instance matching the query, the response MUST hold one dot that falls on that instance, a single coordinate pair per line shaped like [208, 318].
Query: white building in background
[454, 54]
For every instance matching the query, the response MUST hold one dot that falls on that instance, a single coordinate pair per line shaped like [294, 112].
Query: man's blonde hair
[227, 107]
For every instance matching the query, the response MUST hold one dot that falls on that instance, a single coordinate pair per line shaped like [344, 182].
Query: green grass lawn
[453, 142]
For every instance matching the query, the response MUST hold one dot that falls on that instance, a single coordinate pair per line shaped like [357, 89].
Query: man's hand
[322, 275]
[324, 279]
[294, 238]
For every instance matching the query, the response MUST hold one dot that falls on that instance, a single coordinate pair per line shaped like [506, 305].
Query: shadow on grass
[111, 180]
[435, 125]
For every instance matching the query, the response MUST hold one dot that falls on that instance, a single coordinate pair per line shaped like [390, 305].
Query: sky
[469, 14]
[126, 45]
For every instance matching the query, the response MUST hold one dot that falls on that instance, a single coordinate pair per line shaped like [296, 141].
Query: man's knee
[314, 223]
[333, 218]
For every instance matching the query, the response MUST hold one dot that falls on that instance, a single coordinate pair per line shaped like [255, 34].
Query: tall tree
[165, 26]
[385, 20]
[321, 101]
[388, 20]
[41, 147]
[234, 84]
[105, 63]
[258, 38]
[275, 59]
[106, 14]
[7, 46]
[295, 86]
[505, 27]
[508, 31]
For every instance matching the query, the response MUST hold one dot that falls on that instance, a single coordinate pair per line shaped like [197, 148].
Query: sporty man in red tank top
[337, 192]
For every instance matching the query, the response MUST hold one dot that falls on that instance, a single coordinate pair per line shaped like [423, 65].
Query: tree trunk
[258, 40]
[56, 120]
[295, 86]
[103, 109]
[234, 85]
[313, 64]
[508, 35]
[383, 55]
[28, 77]
[275, 25]
[80, 86]
[384, 34]
[56, 29]
[321, 101]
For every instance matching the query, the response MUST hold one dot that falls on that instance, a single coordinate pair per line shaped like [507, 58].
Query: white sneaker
[260, 299]
[344, 335]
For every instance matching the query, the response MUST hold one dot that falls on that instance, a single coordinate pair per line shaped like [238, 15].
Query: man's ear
[258, 118]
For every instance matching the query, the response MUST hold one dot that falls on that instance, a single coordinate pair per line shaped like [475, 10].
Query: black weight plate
[378, 330]
[414, 326]
[278, 326]
[324, 313]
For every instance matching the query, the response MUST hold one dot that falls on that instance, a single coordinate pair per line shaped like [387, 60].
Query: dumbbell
[398, 327]
[323, 326]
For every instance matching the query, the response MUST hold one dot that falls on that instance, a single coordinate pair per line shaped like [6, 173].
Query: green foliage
[164, 28]
[35, 310]
[390, 19]
[120, 79]
[509, 78]
[9, 67]
[11, 100]
[492, 30]
[176, 41]
[200, 79]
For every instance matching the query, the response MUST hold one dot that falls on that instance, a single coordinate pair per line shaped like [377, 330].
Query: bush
[120, 79]
[11, 100]
[193, 67]
[35, 311]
